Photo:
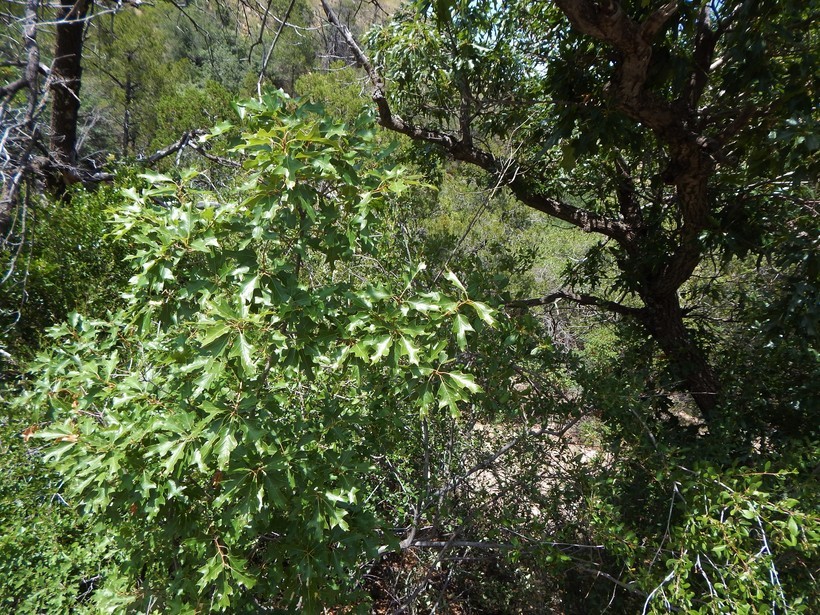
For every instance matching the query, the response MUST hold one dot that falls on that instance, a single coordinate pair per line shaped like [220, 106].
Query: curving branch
[10, 89]
[462, 149]
[691, 163]
[579, 299]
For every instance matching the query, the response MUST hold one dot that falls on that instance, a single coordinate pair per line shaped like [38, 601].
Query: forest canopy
[461, 306]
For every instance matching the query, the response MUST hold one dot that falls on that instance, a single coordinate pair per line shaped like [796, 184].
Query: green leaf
[210, 572]
[178, 451]
[55, 453]
[446, 397]
[749, 513]
[240, 574]
[422, 305]
[456, 282]
[794, 530]
[213, 333]
[410, 350]
[381, 348]
[247, 288]
[217, 130]
[211, 371]
[360, 350]
[131, 193]
[484, 312]
[465, 381]
[246, 355]
[156, 178]
[460, 327]
[568, 160]
[226, 446]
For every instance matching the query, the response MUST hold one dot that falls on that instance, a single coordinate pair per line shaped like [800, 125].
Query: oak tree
[675, 131]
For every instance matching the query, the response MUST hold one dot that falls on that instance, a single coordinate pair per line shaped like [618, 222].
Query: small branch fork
[188, 139]
[272, 46]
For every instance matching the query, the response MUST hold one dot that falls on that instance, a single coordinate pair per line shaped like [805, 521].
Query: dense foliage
[301, 363]
[243, 388]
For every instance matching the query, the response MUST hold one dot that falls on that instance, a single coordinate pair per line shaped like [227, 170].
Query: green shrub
[221, 426]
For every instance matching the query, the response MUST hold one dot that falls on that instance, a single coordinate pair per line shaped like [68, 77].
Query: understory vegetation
[451, 306]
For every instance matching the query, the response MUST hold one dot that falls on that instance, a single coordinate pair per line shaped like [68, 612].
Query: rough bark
[690, 167]
[663, 318]
[65, 85]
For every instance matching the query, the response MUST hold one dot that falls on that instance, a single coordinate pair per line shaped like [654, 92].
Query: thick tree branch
[583, 219]
[608, 23]
[705, 42]
[10, 89]
[173, 148]
[188, 139]
[580, 299]
[225, 162]
[691, 160]
[462, 149]
[42, 68]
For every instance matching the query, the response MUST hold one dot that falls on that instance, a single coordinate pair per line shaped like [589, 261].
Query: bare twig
[490, 460]
[271, 48]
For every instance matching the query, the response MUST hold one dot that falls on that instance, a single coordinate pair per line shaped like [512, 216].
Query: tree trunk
[65, 88]
[663, 318]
